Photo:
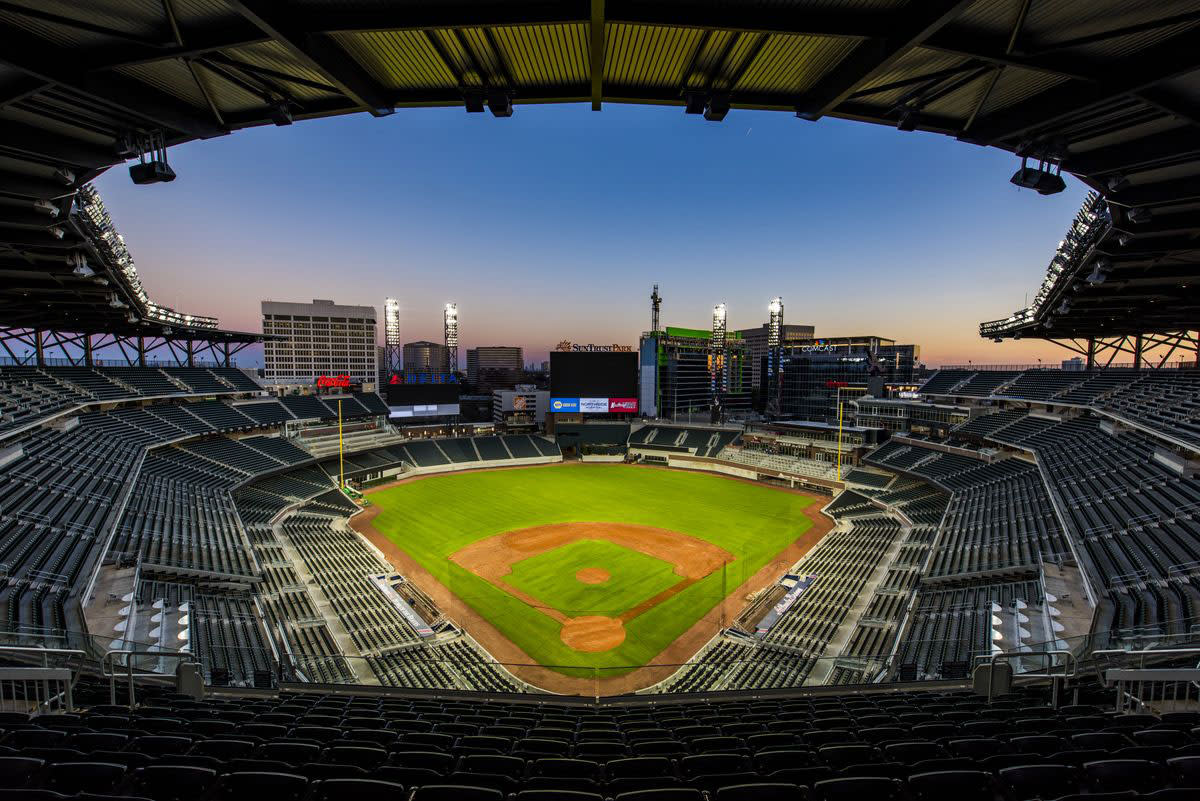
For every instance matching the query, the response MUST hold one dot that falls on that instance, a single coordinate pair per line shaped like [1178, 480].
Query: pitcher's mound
[593, 633]
[593, 575]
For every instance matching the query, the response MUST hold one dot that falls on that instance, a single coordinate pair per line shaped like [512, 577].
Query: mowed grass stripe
[550, 578]
[434, 517]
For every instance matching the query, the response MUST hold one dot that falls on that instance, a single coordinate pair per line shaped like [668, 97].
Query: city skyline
[861, 229]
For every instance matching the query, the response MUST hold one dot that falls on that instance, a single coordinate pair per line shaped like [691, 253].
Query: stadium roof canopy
[1108, 88]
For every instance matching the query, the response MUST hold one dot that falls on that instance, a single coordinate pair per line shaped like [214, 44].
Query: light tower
[451, 330]
[717, 367]
[391, 339]
[655, 306]
[773, 387]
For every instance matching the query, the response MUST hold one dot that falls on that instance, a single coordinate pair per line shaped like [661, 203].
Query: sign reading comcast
[575, 347]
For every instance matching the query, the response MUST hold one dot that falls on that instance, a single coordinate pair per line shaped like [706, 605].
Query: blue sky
[555, 223]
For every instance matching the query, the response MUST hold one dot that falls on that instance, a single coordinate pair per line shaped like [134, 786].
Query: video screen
[421, 394]
[594, 382]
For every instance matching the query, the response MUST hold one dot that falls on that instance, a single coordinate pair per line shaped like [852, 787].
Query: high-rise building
[492, 367]
[756, 340]
[819, 374]
[425, 357]
[318, 339]
[677, 373]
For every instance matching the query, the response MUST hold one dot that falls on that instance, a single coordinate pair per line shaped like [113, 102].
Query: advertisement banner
[564, 404]
[593, 405]
[623, 405]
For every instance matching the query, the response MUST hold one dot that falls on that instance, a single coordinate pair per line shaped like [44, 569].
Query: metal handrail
[68, 694]
[107, 660]
[1006, 656]
[1141, 655]
[45, 652]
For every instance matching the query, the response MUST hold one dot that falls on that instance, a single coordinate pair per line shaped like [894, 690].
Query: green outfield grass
[433, 518]
[550, 578]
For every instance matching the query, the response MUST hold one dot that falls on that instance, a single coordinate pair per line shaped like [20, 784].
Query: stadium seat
[356, 790]
[857, 788]
[78, 777]
[450, 792]
[254, 786]
[1039, 781]
[174, 782]
[16, 771]
[950, 785]
[1115, 775]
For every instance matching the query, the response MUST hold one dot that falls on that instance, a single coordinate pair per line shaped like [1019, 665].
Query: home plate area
[592, 577]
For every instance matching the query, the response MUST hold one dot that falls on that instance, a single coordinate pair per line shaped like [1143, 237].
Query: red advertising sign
[836, 384]
[622, 405]
[342, 381]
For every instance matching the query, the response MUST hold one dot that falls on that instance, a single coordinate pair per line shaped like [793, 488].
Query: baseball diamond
[590, 566]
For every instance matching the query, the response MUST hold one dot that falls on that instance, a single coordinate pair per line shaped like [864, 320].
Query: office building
[425, 357]
[676, 380]
[820, 374]
[756, 343]
[521, 409]
[492, 367]
[317, 339]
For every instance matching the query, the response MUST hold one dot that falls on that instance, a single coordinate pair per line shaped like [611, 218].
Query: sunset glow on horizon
[554, 225]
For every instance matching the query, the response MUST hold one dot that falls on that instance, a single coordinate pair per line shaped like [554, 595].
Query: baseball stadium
[714, 565]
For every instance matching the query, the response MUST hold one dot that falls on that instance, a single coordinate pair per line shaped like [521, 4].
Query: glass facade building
[819, 375]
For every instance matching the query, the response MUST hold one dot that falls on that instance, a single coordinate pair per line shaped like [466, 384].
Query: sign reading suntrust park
[574, 347]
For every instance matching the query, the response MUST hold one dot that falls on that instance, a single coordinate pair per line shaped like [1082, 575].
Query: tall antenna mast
[655, 305]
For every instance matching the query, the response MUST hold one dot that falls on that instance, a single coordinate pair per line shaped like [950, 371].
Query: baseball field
[590, 565]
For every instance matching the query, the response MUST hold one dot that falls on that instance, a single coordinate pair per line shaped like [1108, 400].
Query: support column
[87, 350]
[1137, 352]
[227, 361]
[191, 353]
[39, 348]
[141, 351]
[1091, 353]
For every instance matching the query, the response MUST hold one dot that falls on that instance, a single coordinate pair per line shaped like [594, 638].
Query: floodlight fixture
[500, 102]
[717, 106]
[152, 166]
[115, 302]
[473, 100]
[132, 318]
[1139, 215]
[1116, 182]
[45, 207]
[280, 113]
[1045, 178]
[694, 101]
[78, 261]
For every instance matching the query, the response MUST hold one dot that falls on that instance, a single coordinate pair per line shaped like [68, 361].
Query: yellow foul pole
[341, 460]
[839, 458]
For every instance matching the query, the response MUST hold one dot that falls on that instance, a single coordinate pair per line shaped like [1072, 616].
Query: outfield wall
[406, 471]
[743, 471]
